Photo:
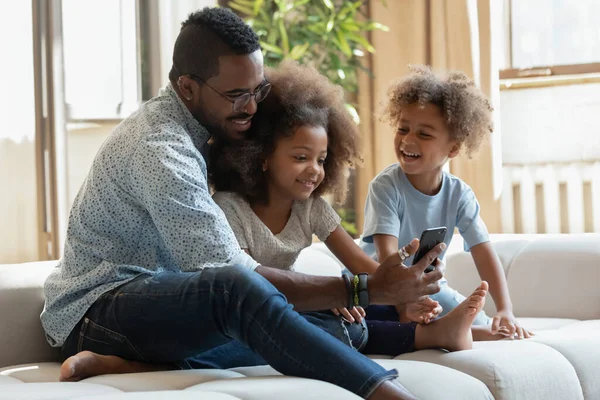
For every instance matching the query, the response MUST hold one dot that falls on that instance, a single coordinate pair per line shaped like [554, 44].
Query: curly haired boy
[435, 117]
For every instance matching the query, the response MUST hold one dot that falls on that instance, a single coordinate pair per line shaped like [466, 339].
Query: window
[549, 102]
[552, 37]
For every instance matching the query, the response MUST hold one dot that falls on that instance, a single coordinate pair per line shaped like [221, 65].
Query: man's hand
[423, 312]
[393, 283]
[356, 314]
[506, 319]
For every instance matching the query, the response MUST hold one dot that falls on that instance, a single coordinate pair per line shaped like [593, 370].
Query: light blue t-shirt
[394, 207]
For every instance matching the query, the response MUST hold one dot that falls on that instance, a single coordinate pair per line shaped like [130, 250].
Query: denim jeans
[386, 335]
[173, 318]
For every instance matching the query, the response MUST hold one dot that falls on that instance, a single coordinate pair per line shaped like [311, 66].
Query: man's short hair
[206, 35]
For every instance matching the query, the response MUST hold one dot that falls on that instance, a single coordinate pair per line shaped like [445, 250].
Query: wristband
[349, 290]
[356, 300]
[363, 292]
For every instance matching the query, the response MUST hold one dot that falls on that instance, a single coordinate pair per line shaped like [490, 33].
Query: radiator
[551, 198]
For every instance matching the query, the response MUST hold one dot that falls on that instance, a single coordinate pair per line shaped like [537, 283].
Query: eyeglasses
[240, 102]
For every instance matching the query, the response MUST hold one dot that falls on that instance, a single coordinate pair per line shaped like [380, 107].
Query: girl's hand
[506, 319]
[424, 311]
[356, 314]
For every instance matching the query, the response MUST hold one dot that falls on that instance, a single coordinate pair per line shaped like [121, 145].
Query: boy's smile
[422, 145]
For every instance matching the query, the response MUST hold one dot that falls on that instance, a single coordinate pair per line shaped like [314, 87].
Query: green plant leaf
[299, 50]
[376, 25]
[329, 26]
[285, 43]
[328, 4]
[243, 9]
[343, 44]
[257, 6]
[351, 26]
[245, 3]
[352, 110]
[271, 48]
[362, 41]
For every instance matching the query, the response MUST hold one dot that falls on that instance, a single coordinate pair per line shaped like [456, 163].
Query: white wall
[551, 124]
[84, 140]
[18, 199]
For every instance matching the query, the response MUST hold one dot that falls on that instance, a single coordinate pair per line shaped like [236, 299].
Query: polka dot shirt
[145, 207]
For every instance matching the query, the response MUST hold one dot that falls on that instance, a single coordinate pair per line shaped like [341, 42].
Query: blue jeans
[172, 318]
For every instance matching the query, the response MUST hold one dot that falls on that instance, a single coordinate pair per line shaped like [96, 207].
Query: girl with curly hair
[269, 185]
[435, 118]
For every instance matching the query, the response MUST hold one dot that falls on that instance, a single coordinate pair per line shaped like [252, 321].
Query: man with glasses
[152, 272]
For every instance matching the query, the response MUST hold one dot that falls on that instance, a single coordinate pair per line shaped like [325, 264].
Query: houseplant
[330, 35]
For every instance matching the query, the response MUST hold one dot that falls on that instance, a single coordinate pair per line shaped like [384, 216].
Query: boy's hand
[507, 319]
[355, 314]
[424, 311]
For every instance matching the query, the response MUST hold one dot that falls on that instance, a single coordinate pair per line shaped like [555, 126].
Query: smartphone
[429, 239]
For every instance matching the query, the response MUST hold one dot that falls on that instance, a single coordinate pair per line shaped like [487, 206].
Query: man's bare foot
[484, 333]
[391, 390]
[86, 364]
[453, 331]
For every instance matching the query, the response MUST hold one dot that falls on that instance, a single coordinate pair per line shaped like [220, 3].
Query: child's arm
[385, 245]
[349, 253]
[490, 270]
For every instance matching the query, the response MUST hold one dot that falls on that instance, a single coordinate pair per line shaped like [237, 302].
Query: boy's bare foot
[86, 364]
[484, 333]
[453, 331]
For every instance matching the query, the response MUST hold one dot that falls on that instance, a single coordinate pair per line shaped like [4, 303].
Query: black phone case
[429, 239]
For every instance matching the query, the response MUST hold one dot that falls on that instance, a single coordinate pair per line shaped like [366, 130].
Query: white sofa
[553, 282]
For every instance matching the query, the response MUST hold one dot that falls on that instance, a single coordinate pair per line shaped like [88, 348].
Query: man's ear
[455, 150]
[185, 86]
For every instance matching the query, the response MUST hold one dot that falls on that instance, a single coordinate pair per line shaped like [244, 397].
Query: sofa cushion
[162, 380]
[544, 324]
[511, 369]
[38, 372]
[557, 277]
[276, 387]
[54, 391]
[21, 302]
[449, 384]
[162, 395]
[581, 347]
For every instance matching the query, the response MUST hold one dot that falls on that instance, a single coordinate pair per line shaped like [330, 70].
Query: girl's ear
[265, 165]
[454, 150]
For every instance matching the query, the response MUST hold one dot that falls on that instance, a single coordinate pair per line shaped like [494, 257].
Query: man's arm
[391, 283]
[307, 292]
[168, 178]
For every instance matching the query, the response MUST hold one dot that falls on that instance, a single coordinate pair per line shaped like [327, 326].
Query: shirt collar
[197, 132]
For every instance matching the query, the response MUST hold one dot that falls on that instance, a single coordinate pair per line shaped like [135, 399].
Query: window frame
[542, 75]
